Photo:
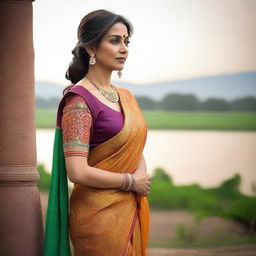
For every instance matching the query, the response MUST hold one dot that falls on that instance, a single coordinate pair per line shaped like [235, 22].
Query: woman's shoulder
[75, 101]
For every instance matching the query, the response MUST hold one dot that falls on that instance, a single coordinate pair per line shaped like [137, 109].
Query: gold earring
[92, 60]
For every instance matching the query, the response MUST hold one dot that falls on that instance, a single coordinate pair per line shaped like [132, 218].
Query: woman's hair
[90, 31]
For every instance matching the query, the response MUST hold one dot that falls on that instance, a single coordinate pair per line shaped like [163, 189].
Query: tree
[146, 103]
[214, 104]
[161, 175]
[244, 104]
[175, 101]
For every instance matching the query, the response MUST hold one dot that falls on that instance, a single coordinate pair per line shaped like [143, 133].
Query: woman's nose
[124, 48]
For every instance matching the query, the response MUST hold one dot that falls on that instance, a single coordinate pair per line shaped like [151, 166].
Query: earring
[92, 60]
[119, 73]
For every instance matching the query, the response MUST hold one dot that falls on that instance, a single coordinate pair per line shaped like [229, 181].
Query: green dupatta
[56, 236]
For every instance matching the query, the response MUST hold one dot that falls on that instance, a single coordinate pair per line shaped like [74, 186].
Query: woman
[99, 138]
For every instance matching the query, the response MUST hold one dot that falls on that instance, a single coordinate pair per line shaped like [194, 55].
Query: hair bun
[74, 51]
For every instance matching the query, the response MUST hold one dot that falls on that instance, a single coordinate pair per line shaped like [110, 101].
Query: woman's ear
[90, 50]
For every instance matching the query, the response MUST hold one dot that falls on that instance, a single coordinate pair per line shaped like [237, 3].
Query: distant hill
[228, 86]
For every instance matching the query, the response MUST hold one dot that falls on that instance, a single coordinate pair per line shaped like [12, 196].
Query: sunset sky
[173, 39]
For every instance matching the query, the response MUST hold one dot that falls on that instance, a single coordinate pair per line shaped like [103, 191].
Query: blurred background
[192, 69]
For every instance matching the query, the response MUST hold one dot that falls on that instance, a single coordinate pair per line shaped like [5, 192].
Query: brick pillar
[21, 225]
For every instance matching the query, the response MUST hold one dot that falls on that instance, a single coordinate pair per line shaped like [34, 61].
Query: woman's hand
[141, 182]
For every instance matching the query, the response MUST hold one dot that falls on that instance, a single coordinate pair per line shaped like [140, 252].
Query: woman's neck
[99, 76]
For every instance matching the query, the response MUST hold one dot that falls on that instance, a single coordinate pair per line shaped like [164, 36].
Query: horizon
[162, 82]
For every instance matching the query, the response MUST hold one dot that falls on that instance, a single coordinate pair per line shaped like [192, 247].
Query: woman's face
[113, 45]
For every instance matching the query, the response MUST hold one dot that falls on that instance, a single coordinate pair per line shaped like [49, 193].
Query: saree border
[135, 218]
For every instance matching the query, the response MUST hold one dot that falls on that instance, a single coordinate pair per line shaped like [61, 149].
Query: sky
[172, 40]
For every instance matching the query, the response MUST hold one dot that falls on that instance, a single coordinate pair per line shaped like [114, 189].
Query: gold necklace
[111, 95]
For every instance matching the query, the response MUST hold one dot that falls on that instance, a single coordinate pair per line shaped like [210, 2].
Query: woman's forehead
[118, 29]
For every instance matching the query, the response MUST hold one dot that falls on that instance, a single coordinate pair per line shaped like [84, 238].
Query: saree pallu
[100, 222]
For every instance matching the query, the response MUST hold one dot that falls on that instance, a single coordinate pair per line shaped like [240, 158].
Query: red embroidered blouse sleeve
[76, 122]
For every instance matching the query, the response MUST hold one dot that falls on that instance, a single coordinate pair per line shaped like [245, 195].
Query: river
[203, 157]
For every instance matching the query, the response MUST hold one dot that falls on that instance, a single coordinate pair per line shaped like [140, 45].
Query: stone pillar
[21, 225]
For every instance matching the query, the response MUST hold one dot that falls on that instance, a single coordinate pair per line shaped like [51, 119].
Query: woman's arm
[76, 123]
[80, 172]
[142, 163]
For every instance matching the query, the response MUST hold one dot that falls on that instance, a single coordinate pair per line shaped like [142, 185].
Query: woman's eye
[115, 41]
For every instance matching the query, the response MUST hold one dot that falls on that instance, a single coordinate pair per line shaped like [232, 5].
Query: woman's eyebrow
[118, 36]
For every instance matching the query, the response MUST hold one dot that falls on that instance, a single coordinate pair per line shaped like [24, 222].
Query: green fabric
[56, 236]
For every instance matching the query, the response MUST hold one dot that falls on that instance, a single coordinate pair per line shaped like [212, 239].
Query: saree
[99, 221]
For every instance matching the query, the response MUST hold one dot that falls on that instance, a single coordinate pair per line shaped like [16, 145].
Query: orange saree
[110, 222]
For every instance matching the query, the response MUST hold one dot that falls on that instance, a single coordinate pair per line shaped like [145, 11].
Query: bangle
[128, 183]
[126, 188]
[131, 182]
[125, 182]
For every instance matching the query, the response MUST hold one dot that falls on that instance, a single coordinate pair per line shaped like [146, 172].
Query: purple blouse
[87, 123]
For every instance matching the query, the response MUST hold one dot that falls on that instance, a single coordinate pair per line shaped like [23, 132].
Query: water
[203, 157]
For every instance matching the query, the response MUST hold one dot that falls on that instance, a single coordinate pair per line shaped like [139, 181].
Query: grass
[200, 120]
[46, 118]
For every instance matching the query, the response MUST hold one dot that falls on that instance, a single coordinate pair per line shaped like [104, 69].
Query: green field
[46, 118]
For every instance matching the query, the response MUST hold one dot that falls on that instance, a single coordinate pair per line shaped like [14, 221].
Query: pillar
[21, 225]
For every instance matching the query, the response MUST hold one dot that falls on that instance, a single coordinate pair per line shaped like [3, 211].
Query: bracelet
[125, 182]
[133, 182]
[129, 182]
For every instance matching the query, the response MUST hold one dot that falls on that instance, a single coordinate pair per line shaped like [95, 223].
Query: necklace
[110, 95]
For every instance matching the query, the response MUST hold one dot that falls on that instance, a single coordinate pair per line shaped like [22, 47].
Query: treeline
[51, 103]
[189, 102]
[177, 102]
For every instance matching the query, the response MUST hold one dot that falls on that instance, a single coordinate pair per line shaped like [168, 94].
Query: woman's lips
[121, 59]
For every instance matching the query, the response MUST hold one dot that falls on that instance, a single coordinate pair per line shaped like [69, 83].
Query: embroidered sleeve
[76, 122]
